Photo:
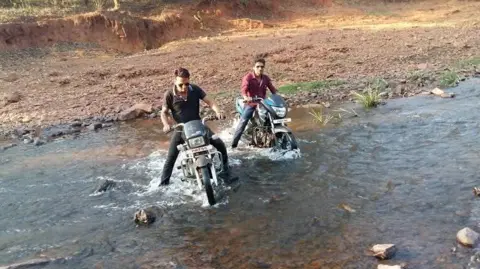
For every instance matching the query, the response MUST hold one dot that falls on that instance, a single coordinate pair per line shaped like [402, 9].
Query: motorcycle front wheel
[208, 185]
[286, 141]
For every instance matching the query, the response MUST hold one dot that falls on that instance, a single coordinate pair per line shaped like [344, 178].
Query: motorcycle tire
[208, 185]
[284, 138]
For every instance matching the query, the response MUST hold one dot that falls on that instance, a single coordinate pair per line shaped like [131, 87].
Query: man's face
[182, 84]
[258, 68]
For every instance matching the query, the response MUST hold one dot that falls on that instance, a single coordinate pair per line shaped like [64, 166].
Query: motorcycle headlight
[196, 142]
[280, 111]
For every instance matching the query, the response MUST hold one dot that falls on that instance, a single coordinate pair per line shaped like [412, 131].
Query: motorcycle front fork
[212, 172]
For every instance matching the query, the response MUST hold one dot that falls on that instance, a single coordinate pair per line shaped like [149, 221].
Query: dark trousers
[173, 152]
[246, 116]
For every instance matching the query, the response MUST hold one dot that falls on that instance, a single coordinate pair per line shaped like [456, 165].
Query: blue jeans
[246, 116]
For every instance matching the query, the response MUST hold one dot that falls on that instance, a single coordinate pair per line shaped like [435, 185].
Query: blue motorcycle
[267, 128]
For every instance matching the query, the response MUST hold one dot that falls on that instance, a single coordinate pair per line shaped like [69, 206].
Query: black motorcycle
[267, 128]
[199, 159]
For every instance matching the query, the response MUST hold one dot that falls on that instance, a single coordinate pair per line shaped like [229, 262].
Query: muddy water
[406, 169]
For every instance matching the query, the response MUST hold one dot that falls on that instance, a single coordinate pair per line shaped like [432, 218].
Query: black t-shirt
[185, 109]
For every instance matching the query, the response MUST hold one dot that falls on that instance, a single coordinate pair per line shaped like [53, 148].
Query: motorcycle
[199, 160]
[267, 128]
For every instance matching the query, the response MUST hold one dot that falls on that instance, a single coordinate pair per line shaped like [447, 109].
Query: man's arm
[164, 115]
[213, 105]
[270, 86]
[244, 89]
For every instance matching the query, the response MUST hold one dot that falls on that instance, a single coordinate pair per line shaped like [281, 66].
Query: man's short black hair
[259, 60]
[182, 72]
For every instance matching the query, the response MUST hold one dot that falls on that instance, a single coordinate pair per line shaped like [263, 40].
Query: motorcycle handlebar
[253, 99]
[205, 119]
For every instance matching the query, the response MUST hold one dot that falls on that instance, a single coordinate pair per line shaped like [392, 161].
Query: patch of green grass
[319, 117]
[449, 79]
[475, 61]
[378, 84]
[417, 76]
[351, 111]
[370, 98]
[309, 86]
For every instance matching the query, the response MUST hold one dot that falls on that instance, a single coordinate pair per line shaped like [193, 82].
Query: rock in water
[105, 185]
[28, 264]
[468, 237]
[476, 191]
[383, 251]
[144, 217]
[383, 266]
[38, 142]
[437, 91]
[95, 126]
[442, 93]
[8, 146]
[148, 215]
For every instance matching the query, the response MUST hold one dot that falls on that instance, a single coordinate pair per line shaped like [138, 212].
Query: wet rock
[468, 237]
[76, 124]
[441, 93]
[27, 139]
[476, 191]
[148, 215]
[437, 91]
[27, 264]
[38, 142]
[347, 208]
[448, 95]
[95, 126]
[105, 185]
[384, 266]
[383, 251]
[135, 111]
[8, 146]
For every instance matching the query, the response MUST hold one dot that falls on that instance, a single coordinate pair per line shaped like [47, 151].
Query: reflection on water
[406, 169]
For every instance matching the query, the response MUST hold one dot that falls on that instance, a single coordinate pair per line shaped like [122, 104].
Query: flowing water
[402, 173]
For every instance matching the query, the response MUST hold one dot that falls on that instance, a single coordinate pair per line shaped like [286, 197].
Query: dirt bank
[112, 30]
[410, 50]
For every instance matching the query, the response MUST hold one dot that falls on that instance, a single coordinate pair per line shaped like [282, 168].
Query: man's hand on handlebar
[247, 99]
[167, 128]
[251, 99]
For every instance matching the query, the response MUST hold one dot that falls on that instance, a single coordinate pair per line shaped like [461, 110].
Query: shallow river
[406, 169]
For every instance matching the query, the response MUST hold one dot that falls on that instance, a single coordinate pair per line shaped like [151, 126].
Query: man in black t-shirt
[184, 103]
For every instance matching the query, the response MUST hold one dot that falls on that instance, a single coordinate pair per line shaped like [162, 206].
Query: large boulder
[135, 111]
